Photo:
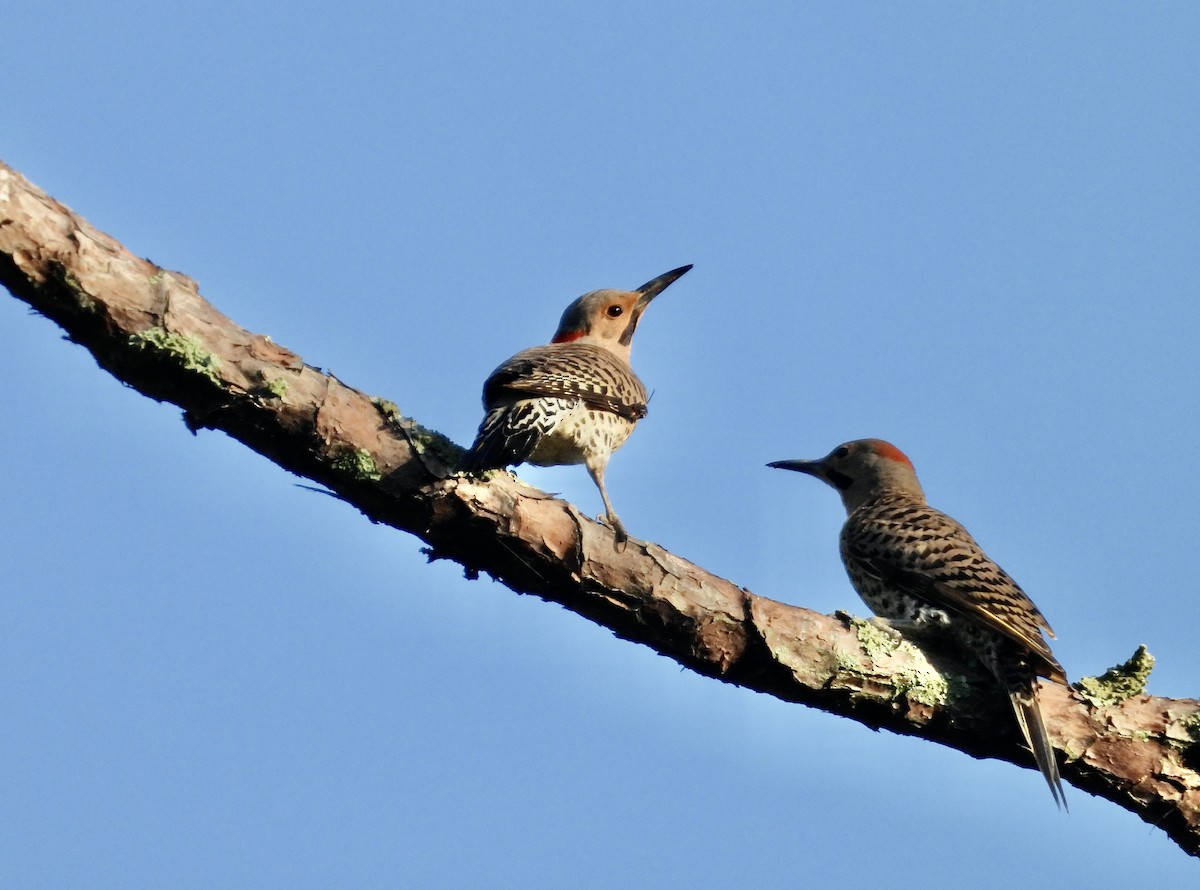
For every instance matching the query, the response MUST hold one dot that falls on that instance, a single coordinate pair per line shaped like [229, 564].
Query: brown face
[612, 314]
[604, 314]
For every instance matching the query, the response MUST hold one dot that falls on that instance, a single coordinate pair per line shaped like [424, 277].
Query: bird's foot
[897, 628]
[911, 628]
[621, 537]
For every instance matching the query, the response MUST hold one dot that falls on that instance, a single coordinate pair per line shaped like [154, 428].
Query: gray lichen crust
[916, 679]
[1120, 682]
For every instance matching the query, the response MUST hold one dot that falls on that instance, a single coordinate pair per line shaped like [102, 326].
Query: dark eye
[615, 311]
[841, 451]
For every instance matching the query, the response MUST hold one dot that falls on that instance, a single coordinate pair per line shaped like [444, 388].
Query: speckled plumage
[575, 400]
[911, 563]
[566, 403]
[914, 563]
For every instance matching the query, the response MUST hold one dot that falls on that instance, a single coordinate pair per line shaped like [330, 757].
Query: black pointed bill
[656, 286]
[818, 469]
[812, 467]
[648, 292]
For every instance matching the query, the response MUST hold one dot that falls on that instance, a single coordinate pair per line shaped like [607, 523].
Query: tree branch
[150, 328]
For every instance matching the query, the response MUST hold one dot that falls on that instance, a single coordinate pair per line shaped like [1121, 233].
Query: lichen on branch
[151, 329]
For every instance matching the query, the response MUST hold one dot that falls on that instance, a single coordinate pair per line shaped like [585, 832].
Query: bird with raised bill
[574, 400]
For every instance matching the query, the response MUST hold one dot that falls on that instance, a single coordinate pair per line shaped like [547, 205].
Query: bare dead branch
[150, 328]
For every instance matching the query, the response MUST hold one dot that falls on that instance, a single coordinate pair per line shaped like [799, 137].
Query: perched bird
[574, 401]
[919, 568]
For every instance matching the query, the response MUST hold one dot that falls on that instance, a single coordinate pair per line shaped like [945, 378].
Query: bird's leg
[903, 627]
[893, 627]
[928, 629]
[597, 474]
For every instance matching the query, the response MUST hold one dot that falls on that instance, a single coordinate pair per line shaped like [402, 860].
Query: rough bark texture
[150, 328]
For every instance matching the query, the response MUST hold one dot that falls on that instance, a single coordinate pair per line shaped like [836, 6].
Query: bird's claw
[620, 536]
[893, 627]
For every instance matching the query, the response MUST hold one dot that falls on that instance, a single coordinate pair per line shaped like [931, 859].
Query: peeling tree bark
[150, 328]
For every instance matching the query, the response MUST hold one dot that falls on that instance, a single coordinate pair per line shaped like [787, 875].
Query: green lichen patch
[422, 439]
[268, 386]
[185, 351]
[926, 687]
[1192, 725]
[876, 641]
[1118, 683]
[356, 463]
[915, 680]
[388, 409]
[82, 298]
[1182, 732]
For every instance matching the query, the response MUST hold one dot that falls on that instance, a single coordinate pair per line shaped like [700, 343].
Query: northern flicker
[919, 568]
[575, 400]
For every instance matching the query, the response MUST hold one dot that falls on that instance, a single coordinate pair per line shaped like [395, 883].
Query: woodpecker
[916, 567]
[575, 400]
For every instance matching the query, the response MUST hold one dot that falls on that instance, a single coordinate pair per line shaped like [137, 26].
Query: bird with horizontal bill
[916, 567]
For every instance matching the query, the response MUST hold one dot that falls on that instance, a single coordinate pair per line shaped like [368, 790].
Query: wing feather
[930, 556]
[514, 423]
[581, 371]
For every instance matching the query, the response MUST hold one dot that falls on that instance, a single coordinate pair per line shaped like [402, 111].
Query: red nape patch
[567, 336]
[891, 452]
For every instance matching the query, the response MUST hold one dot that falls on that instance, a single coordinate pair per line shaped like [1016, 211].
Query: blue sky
[970, 229]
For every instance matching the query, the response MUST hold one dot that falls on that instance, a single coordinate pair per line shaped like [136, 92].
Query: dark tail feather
[506, 437]
[1029, 715]
[478, 459]
[488, 453]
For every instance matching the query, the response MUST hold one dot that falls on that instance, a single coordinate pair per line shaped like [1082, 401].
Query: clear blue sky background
[969, 228]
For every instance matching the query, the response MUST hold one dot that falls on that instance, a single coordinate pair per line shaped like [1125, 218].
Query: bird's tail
[1024, 697]
[496, 445]
[476, 460]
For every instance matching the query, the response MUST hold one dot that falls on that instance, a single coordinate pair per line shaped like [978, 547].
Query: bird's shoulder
[570, 370]
[560, 358]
